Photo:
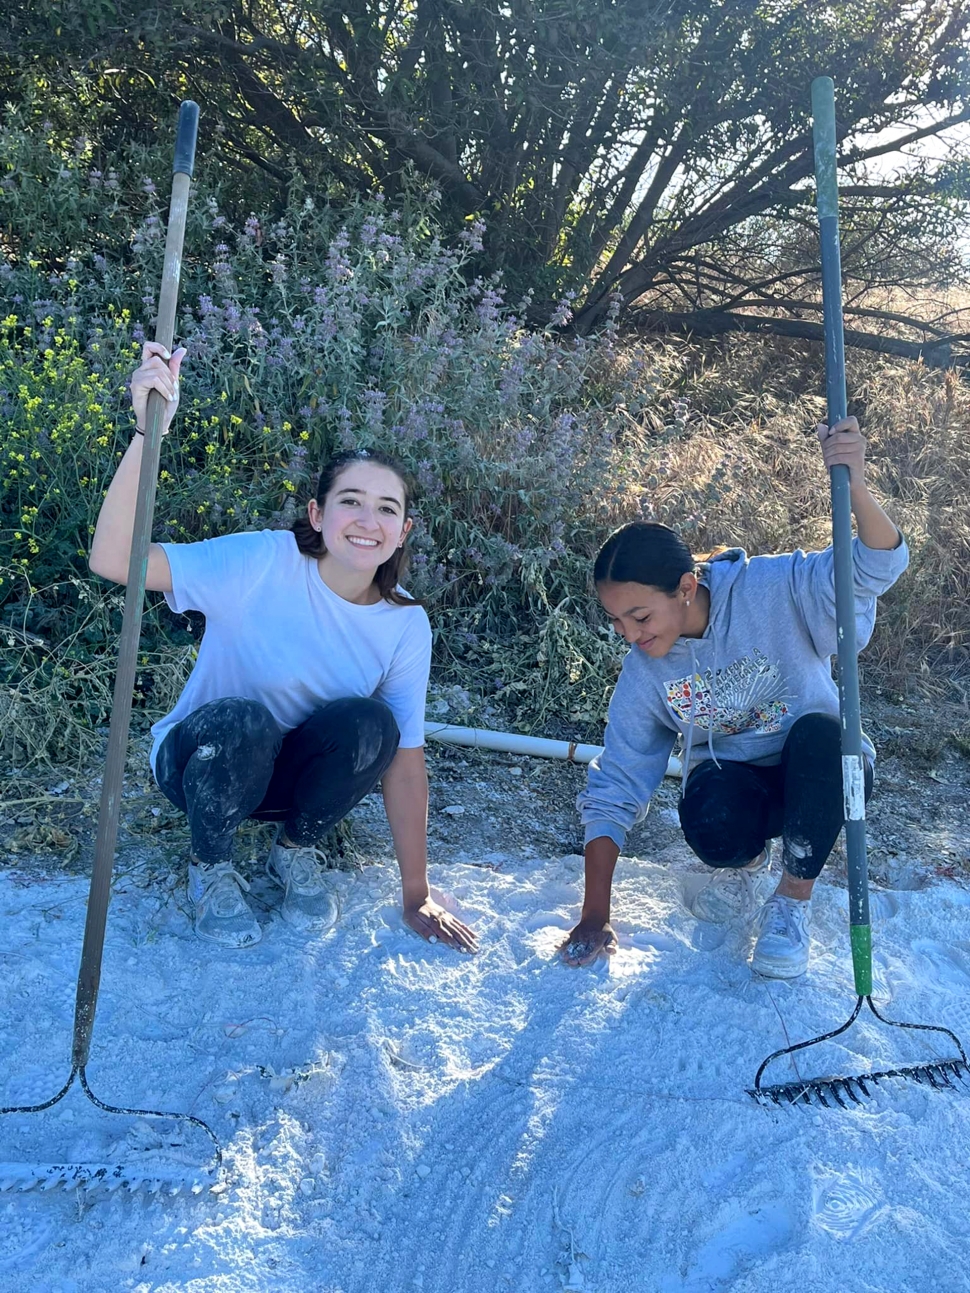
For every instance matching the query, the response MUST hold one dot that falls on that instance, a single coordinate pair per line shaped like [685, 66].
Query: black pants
[228, 761]
[729, 812]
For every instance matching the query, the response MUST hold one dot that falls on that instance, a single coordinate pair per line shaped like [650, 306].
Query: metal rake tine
[850, 1090]
[838, 1095]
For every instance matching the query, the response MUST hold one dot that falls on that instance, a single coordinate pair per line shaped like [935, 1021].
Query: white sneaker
[732, 892]
[782, 925]
[308, 903]
[222, 914]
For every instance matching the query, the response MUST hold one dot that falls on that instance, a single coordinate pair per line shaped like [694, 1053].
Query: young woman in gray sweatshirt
[734, 657]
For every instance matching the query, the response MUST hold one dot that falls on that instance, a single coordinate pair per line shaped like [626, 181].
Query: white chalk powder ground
[488, 1123]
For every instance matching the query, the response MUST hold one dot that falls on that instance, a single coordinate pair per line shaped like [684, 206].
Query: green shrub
[308, 333]
[313, 328]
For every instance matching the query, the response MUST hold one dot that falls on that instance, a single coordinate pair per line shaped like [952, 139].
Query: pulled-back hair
[310, 541]
[644, 553]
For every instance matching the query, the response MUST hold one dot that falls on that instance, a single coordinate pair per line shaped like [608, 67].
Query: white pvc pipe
[481, 738]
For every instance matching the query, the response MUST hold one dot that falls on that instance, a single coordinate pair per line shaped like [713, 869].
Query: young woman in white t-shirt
[309, 686]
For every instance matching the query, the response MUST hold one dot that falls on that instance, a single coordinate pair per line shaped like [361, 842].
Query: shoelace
[749, 885]
[781, 917]
[304, 869]
[222, 891]
[749, 895]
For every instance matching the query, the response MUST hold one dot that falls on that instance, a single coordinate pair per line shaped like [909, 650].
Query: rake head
[819, 1091]
[828, 1091]
[152, 1166]
[99, 1176]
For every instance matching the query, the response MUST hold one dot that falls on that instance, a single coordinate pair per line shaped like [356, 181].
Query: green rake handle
[853, 768]
[89, 976]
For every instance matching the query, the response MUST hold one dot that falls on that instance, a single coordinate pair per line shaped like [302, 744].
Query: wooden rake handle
[89, 975]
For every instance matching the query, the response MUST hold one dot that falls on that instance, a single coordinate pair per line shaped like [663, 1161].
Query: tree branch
[712, 323]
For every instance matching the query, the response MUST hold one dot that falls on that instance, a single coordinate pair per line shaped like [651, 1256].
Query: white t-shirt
[277, 634]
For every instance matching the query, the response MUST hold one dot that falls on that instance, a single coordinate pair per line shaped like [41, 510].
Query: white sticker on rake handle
[854, 787]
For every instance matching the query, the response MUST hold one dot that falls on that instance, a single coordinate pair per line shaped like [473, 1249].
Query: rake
[163, 1165]
[939, 1073]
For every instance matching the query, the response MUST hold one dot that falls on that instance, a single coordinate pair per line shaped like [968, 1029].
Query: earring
[688, 601]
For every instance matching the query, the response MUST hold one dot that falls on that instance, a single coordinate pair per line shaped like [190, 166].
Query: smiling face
[362, 520]
[648, 617]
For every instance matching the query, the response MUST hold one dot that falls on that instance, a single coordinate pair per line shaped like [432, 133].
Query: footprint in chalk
[745, 1240]
[950, 967]
[849, 1204]
[949, 970]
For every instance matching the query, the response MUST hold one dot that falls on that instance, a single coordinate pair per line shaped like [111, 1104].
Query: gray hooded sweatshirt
[763, 661]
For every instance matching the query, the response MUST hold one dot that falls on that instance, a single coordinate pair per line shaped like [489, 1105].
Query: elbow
[103, 569]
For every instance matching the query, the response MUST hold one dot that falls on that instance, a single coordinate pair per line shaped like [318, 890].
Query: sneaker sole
[234, 944]
[774, 970]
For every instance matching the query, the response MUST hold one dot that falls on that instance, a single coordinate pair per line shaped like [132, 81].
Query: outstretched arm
[594, 933]
[405, 786]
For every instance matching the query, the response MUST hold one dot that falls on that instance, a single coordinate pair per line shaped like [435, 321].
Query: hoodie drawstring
[710, 725]
[695, 678]
[685, 762]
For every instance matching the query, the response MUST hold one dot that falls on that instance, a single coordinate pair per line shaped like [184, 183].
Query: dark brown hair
[310, 541]
[644, 553]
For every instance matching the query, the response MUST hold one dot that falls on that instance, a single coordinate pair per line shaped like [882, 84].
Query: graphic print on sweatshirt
[747, 696]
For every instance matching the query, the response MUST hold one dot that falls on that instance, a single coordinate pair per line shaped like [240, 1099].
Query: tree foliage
[653, 149]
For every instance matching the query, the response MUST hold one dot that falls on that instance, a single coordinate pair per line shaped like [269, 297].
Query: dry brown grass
[748, 471]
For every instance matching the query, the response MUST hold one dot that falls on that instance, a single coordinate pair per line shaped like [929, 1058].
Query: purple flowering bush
[309, 330]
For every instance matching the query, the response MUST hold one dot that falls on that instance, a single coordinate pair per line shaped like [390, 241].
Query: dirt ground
[491, 808]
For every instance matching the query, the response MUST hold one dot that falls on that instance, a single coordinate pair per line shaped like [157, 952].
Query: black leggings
[228, 761]
[728, 813]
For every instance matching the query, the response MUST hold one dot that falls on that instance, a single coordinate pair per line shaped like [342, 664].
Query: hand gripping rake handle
[939, 1073]
[89, 977]
[853, 771]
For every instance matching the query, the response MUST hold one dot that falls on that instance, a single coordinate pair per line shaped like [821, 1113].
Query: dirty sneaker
[732, 892]
[782, 926]
[308, 903]
[222, 914]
